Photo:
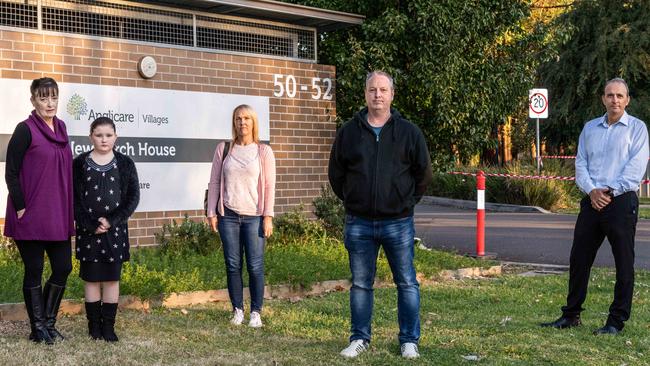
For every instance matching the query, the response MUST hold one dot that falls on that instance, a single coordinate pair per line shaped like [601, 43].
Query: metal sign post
[538, 108]
[539, 156]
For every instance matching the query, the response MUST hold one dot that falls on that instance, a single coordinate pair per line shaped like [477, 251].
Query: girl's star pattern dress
[101, 196]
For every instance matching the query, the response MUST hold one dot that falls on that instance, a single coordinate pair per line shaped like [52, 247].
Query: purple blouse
[46, 182]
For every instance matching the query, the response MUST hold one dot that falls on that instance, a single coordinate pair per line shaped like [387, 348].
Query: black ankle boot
[94, 316]
[36, 312]
[108, 322]
[53, 295]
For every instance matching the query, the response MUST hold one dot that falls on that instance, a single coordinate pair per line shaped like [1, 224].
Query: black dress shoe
[563, 322]
[607, 329]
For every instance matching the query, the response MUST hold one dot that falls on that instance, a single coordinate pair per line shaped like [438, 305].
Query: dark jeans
[243, 235]
[617, 222]
[362, 240]
[33, 254]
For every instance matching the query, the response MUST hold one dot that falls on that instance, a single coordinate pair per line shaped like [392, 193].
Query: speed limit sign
[538, 103]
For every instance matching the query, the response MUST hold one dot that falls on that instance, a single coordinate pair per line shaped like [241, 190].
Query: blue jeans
[243, 235]
[362, 240]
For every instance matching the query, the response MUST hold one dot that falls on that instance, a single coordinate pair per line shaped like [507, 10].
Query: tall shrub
[461, 68]
[600, 40]
[187, 237]
[329, 210]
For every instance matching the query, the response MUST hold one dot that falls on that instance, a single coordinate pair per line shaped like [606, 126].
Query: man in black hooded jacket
[380, 167]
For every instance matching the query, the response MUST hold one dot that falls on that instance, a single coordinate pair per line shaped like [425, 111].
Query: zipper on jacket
[374, 208]
[375, 184]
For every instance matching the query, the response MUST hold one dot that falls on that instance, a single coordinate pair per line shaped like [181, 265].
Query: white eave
[321, 19]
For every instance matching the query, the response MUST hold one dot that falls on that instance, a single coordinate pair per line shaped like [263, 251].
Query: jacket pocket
[356, 194]
[396, 198]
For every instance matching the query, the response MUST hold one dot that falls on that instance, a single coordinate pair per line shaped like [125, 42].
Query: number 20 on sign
[538, 108]
[538, 103]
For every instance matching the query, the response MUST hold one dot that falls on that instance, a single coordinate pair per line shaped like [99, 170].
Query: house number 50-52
[287, 84]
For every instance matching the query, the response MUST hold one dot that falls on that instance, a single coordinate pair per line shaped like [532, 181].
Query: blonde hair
[251, 112]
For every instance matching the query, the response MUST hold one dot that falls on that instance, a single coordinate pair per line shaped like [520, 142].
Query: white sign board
[538, 103]
[171, 135]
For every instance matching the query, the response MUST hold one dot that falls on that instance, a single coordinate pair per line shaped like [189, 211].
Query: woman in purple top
[39, 213]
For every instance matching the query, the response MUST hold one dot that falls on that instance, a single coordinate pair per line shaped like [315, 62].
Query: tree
[543, 13]
[77, 106]
[600, 40]
[460, 67]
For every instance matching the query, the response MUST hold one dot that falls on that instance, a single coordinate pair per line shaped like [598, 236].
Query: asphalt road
[520, 237]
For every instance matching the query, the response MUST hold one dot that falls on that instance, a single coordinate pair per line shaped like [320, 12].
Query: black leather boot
[94, 316]
[108, 322]
[36, 311]
[53, 295]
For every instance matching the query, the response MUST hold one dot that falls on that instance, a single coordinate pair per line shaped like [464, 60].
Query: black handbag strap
[226, 147]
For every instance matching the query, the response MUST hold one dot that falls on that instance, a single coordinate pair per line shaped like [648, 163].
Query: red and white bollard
[480, 214]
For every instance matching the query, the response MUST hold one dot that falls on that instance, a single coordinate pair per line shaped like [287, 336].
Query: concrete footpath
[521, 233]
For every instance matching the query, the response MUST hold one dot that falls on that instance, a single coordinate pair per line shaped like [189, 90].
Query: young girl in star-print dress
[106, 192]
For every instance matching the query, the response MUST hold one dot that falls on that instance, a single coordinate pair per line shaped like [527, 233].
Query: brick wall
[302, 129]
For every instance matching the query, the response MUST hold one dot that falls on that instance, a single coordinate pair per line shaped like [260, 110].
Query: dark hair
[44, 87]
[101, 121]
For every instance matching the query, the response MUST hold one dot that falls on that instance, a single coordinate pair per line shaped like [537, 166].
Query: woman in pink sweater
[241, 195]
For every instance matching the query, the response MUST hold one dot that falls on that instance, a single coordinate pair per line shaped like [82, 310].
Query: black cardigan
[16, 150]
[129, 186]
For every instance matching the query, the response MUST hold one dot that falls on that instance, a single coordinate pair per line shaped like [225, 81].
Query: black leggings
[32, 253]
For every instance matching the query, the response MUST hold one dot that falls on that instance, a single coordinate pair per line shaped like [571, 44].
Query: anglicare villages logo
[77, 106]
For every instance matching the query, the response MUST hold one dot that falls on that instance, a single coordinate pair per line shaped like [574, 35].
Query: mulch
[13, 328]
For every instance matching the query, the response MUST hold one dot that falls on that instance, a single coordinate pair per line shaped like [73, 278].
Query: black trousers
[32, 253]
[617, 221]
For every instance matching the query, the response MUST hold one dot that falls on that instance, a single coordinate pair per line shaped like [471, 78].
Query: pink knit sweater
[265, 187]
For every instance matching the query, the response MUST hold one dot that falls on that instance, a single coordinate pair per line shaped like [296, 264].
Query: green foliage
[548, 194]
[139, 279]
[300, 252]
[188, 237]
[455, 186]
[146, 280]
[598, 40]
[294, 224]
[11, 270]
[304, 262]
[330, 211]
[460, 69]
[8, 249]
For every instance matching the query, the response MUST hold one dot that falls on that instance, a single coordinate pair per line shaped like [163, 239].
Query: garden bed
[298, 262]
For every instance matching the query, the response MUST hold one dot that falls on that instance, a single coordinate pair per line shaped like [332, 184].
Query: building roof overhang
[321, 19]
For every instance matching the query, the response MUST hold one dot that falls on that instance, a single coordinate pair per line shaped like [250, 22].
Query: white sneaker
[237, 317]
[410, 350]
[355, 348]
[256, 320]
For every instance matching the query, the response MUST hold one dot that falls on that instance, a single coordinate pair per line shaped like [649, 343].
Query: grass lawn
[494, 319]
[644, 213]
[644, 200]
